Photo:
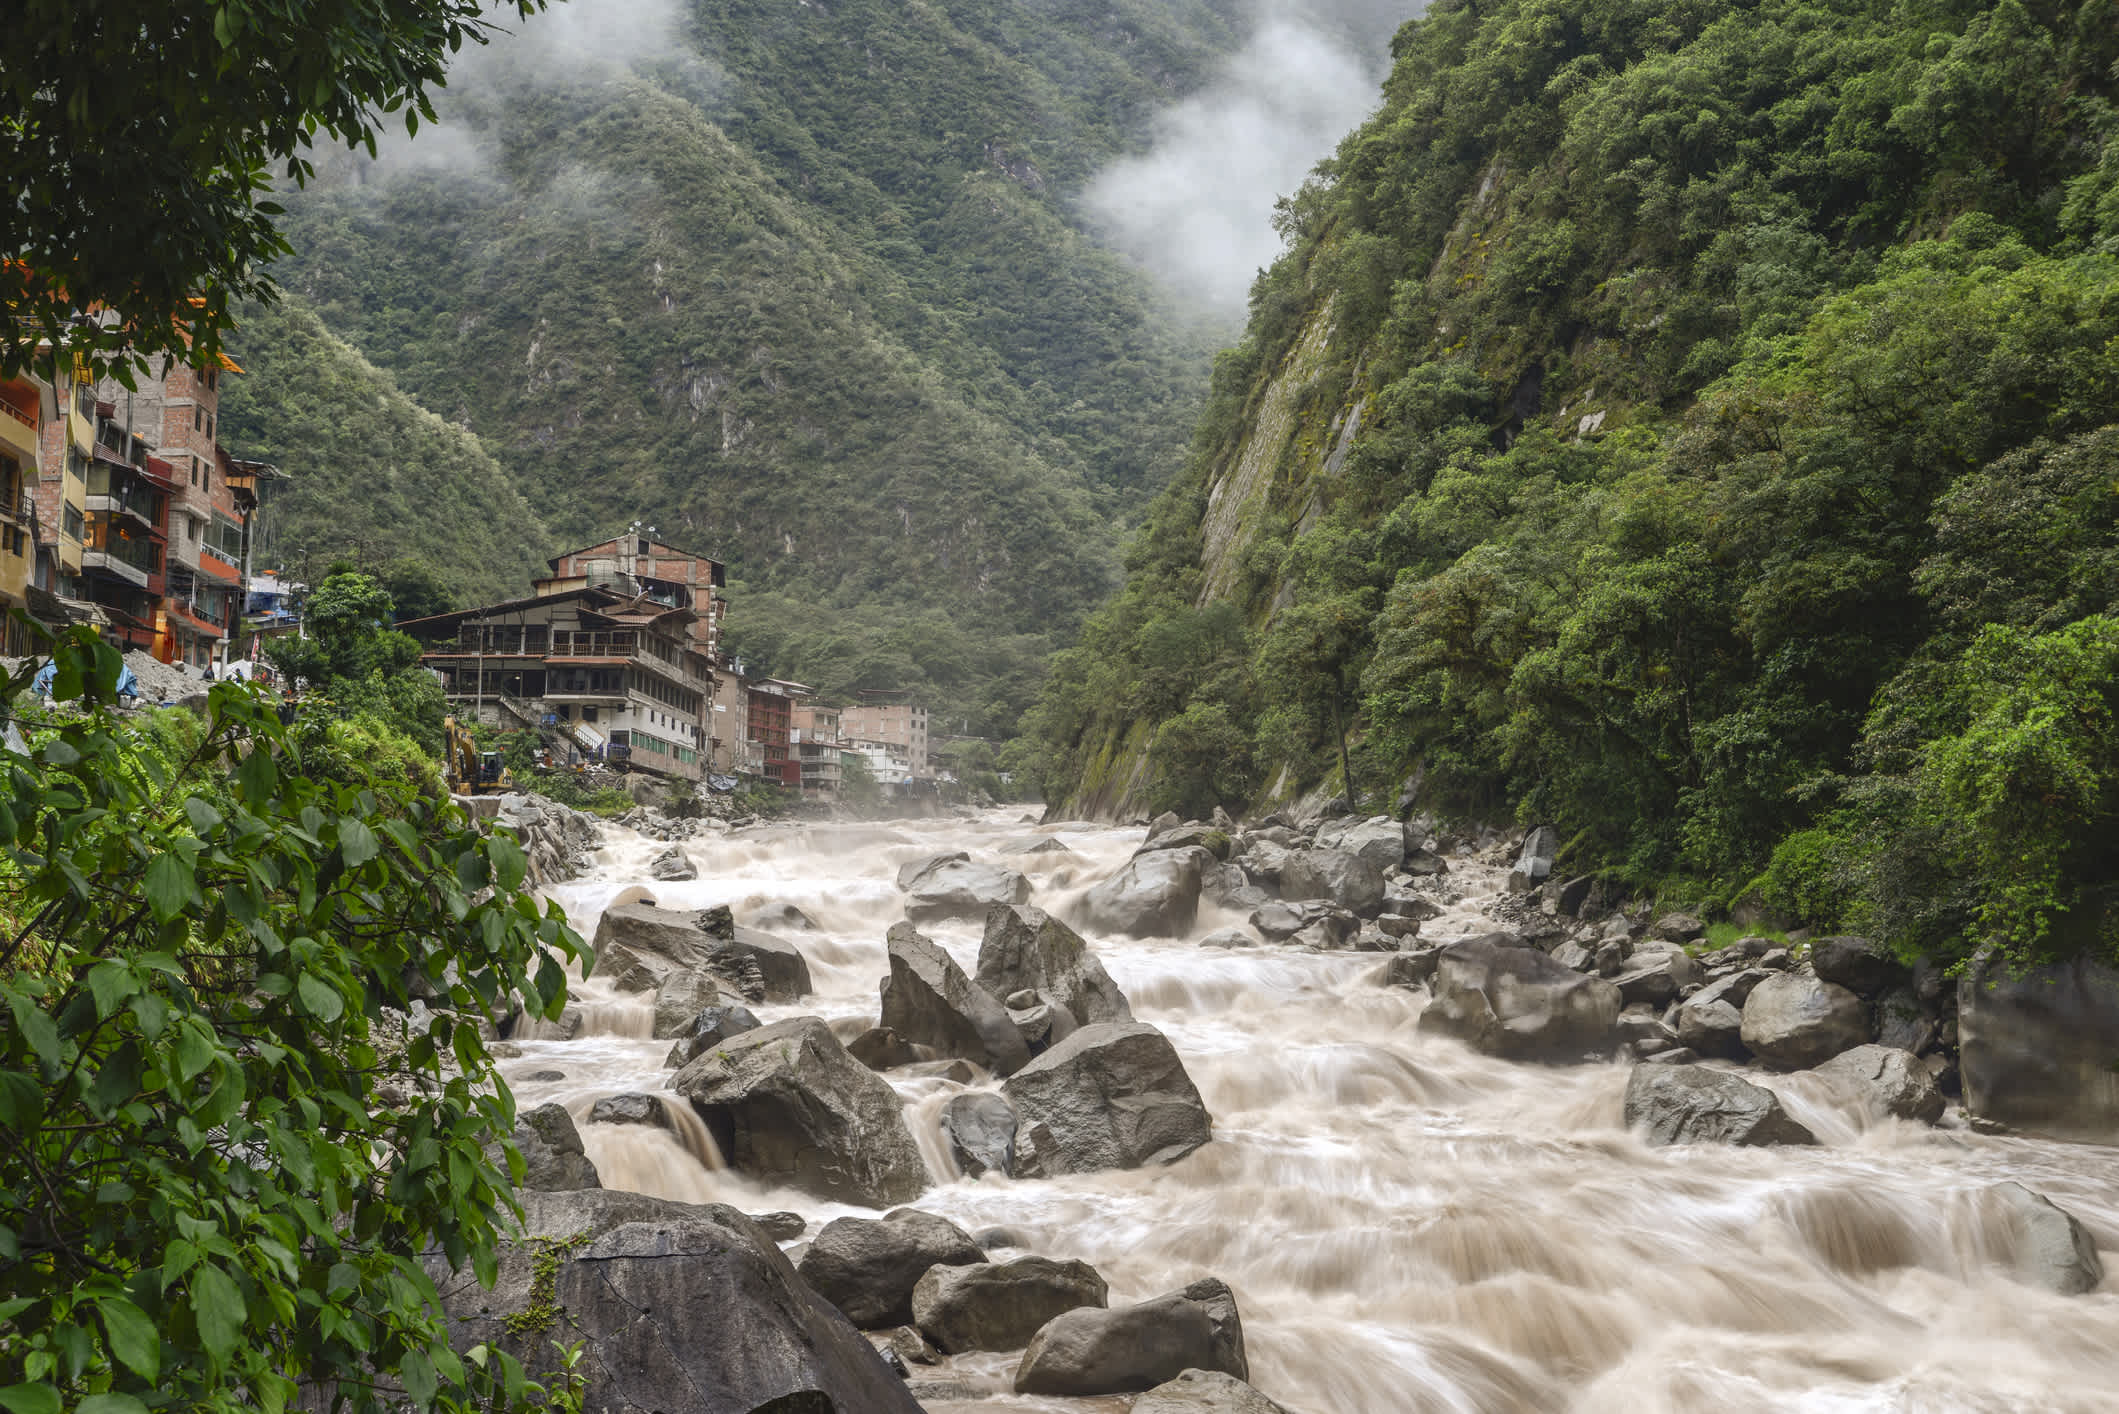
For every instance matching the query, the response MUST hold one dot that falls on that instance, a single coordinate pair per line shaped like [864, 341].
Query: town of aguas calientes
[1140, 707]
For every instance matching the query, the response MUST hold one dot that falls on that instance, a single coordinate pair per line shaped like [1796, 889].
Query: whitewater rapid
[1408, 1225]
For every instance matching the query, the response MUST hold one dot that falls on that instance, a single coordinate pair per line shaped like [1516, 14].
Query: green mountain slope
[371, 473]
[802, 287]
[1683, 424]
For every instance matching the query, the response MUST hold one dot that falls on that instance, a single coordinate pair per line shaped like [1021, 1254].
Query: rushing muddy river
[1409, 1225]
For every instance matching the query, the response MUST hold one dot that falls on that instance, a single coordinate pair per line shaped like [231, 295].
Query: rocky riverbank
[1313, 1117]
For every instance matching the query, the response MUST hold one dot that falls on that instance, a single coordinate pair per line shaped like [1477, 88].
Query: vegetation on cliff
[1688, 425]
[801, 286]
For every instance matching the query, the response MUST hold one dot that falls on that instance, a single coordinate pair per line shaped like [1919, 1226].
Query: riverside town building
[615, 659]
[120, 507]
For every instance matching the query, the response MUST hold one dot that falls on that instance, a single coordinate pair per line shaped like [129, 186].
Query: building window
[198, 419]
[72, 523]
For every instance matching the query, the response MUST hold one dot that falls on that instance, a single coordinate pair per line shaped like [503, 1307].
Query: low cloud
[1196, 208]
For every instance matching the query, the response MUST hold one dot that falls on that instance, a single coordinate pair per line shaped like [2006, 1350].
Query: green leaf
[133, 1337]
[218, 1304]
[195, 1049]
[203, 816]
[60, 752]
[170, 886]
[110, 1404]
[110, 982]
[509, 863]
[37, 1028]
[356, 842]
[319, 998]
[30, 1399]
[420, 1381]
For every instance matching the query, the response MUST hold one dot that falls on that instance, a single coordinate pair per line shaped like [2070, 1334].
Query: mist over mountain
[1196, 208]
[812, 289]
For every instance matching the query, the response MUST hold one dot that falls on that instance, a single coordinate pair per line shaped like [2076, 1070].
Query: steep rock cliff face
[1621, 438]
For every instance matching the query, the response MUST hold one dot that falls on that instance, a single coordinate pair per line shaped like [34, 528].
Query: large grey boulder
[2047, 1246]
[1379, 840]
[1345, 880]
[786, 1103]
[632, 1107]
[1000, 1305]
[667, 940]
[780, 963]
[677, 1307]
[1656, 974]
[1205, 1392]
[680, 998]
[913, 869]
[709, 1029]
[1797, 1020]
[1027, 949]
[1861, 966]
[672, 865]
[2040, 1051]
[1692, 1104]
[1190, 835]
[1535, 860]
[868, 1267]
[1711, 1026]
[1516, 1002]
[1884, 1082]
[980, 1127]
[929, 1001]
[962, 888]
[1114, 1096]
[1091, 1351]
[1154, 894]
[551, 1151]
[1263, 859]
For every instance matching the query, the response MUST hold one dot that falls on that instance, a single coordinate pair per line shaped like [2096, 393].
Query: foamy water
[1408, 1225]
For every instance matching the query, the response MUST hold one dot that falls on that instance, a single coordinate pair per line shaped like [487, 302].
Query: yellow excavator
[471, 771]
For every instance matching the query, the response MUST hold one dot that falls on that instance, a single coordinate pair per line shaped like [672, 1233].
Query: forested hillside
[1692, 425]
[802, 286]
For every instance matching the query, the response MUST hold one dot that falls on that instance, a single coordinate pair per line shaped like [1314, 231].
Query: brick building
[897, 726]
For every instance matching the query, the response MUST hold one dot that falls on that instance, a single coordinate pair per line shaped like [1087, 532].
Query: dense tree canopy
[1700, 417]
[139, 142]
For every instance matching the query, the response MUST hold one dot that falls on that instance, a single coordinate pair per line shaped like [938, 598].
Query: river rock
[1026, 947]
[551, 1150]
[677, 1307]
[1047, 845]
[783, 916]
[1518, 1003]
[1042, 1023]
[1226, 938]
[672, 865]
[786, 1103]
[633, 932]
[2040, 1051]
[962, 888]
[1191, 835]
[868, 1267]
[1109, 1096]
[980, 1127]
[1414, 967]
[1155, 894]
[1535, 860]
[1334, 875]
[1000, 1305]
[778, 962]
[914, 869]
[1885, 1082]
[2048, 1247]
[1263, 859]
[1278, 920]
[1862, 967]
[1164, 823]
[1656, 975]
[881, 1048]
[1711, 1026]
[682, 995]
[1678, 928]
[709, 1029]
[1693, 1104]
[1904, 1022]
[1205, 1392]
[1379, 840]
[632, 1108]
[1796, 1020]
[929, 1001]
[1090, 1351]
